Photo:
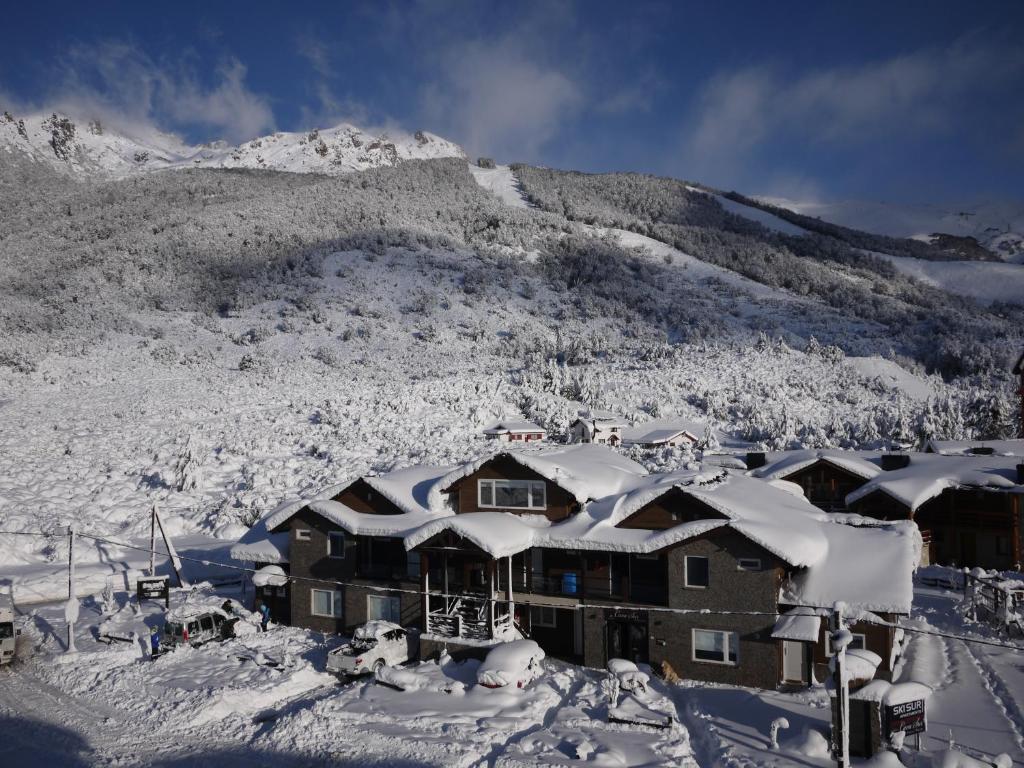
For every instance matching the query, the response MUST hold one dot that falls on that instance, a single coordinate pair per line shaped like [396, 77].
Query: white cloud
[120, 82]
[921, 93]
[496, 98]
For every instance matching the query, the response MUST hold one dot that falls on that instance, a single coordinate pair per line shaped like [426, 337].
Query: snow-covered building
[969, 508]
[601, 427]
[515, 431]
[826, 476]
[976, 447]
[663, 433]
[722, 576]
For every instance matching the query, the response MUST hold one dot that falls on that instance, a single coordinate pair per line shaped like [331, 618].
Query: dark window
[336, 544]
[1002, 545]
[697, 571]
[206, 622]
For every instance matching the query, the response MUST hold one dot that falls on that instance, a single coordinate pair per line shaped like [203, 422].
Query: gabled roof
[503, 427]
[929, 474]
[661, 431]
[584, 471]
[863, 464]
[258, 545]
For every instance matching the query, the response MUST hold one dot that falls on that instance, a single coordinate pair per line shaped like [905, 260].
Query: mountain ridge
[79, 147]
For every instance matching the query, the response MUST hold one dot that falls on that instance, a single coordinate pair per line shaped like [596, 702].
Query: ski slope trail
[502, 183]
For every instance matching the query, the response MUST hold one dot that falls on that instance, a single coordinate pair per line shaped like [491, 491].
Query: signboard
[624, 614]
[153, 588]
[907, 717]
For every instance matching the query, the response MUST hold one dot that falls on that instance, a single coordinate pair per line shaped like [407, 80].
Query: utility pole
[841, 638]
[152, 541]
[71, 606]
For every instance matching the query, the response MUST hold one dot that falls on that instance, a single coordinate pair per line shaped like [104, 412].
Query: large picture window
[512, 494]
[336, 544]
[384, 608]
[715, 647]
[326, 602]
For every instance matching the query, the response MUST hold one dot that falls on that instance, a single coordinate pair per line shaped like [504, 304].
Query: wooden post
[71, 607]
[492, 573]
[152, 541]
[425, 582]
[508, 594]
[839, 643]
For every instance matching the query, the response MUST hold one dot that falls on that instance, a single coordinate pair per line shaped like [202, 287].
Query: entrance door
[628, 640]
[793, 667]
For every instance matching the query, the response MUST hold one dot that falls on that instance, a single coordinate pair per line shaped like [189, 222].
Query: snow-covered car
[630, 677]
[198, 624]
[8, 633]
[374, 645]
[516, 664]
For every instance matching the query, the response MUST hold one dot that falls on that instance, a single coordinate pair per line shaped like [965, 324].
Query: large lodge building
[724, 576]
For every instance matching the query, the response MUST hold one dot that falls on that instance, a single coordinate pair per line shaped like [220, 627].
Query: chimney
[891, 461]
[1020, 474]
[756, 459]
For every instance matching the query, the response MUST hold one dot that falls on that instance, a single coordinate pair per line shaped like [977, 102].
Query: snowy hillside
[998, 226]
[88, 147]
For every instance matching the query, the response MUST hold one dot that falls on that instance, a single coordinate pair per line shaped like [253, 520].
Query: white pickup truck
[374, 645]
[8, 634]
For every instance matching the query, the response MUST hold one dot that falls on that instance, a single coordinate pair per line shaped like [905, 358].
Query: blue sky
[907, 101]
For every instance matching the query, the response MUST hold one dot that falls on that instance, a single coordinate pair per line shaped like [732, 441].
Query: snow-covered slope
[985, 281]
[999, 226]
[768, 220]
[87, 147]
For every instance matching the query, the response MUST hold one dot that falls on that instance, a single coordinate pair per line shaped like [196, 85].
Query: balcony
[459, 618]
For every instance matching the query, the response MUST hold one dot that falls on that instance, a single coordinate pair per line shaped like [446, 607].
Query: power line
[525, 603]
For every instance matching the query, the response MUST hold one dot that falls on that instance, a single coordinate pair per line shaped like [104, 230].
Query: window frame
[331, 535]
[726, 647]
[392, 600]
[538, 611]
[830, 651]
[740, 564]
[686, 571]
[337, 603]
[303, 534]
[493, 483]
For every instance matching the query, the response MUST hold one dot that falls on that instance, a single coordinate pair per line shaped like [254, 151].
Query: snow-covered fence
[990, 597]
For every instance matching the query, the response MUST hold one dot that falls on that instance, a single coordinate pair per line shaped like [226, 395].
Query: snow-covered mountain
[89, 147]
[998, 226]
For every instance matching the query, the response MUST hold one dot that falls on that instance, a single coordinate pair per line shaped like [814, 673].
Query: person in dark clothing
[265, 615]
[154, 640]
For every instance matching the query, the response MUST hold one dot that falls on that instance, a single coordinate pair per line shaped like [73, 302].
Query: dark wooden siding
[359, 496]
[560, 503]
[825, 485]
[670, 509]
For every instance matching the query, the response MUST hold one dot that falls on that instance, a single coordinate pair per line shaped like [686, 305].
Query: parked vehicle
[630, 678]
[195, 625]
[516, 663]
[8, 633]
[374, 645]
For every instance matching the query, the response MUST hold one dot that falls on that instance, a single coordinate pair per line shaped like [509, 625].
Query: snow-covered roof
[971, 447]
[661, 431]
[929, 474]
[270, 576]
[515, 427]
[869, 567]
[864, 464]
[258, 545]
[586, 471]
[803, 624]
[408, 489]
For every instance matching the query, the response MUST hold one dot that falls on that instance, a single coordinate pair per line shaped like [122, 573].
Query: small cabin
[515, 432]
